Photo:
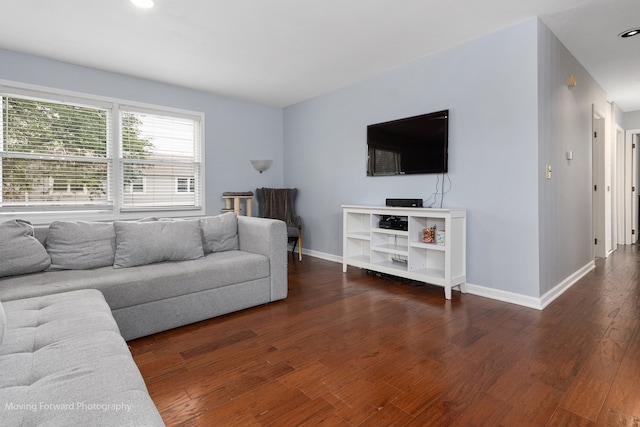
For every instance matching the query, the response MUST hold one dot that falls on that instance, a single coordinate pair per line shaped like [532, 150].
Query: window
[185, 185]
[137, 184]
[53, 154]
[66, 152]
[163, 149]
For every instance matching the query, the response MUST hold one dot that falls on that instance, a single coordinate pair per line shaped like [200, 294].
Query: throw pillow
[78, 245]
[20, 252]
[219, 233]
[141, 243]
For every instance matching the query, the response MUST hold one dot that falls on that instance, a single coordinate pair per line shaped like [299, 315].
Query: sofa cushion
[126, 287]
[20, 252]
[79, 245]
[64, 362]
[141, 243]
[219, 233]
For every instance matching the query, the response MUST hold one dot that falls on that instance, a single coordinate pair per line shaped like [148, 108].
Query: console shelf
[402, 252]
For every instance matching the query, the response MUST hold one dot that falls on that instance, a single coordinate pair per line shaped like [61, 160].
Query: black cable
[434, 195]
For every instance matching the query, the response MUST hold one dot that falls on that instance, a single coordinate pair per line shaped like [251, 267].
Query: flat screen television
[413, 145]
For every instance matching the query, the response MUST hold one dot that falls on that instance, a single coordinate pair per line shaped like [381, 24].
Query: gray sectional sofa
[151, 275]
[154, 274]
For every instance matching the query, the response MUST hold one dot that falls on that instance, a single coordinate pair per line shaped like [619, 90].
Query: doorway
[601, 191]
[627, 186]
[631, 187]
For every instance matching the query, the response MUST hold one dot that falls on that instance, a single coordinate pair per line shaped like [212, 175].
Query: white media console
[404, 253]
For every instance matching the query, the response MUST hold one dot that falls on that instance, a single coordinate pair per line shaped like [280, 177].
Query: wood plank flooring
[355, 350]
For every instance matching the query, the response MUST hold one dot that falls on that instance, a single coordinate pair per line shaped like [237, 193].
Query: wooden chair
[279, 203]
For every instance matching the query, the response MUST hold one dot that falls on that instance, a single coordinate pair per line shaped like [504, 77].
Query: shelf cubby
[403, 253]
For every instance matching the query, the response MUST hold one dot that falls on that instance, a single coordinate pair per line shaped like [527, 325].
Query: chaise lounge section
[63, 362]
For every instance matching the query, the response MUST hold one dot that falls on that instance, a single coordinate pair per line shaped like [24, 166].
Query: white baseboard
[527, 301]
[322, 255]
[497, 294]
[558, 290]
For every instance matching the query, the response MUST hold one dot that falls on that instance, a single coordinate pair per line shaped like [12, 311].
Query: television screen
[412, 145]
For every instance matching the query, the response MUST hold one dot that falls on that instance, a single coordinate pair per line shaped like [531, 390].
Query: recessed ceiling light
[630, 33]
[145, 4]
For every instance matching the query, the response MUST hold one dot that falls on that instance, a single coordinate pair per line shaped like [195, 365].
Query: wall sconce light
[261, 165]
[571, 81]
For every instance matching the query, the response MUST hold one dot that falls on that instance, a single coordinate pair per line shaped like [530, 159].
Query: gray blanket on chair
[277, 204]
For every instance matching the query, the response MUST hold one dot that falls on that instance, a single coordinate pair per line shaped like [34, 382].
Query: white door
[620, 187]
[599, 191]
[634, 187]
[631, 187]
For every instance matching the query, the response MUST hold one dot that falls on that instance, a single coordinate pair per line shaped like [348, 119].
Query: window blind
[163, 152]
[63, 152]
[54, 154]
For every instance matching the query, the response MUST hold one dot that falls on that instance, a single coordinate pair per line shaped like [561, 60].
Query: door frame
[598, 184]
[619, 164]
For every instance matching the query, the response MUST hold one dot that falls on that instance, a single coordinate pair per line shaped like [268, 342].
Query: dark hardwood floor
[354, 350]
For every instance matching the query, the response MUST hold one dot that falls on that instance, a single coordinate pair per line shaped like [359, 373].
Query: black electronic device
[405, 203]
[413, 145]
[394, 223]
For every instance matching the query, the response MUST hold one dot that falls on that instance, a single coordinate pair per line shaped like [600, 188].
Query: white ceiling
[279, 52]
[591, 34]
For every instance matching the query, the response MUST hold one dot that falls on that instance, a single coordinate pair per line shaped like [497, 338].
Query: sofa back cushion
[141, 243]
[20, 252]
[78, 245]
[219, 233]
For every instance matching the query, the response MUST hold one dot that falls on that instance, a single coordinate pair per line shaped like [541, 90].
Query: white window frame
[47, 214]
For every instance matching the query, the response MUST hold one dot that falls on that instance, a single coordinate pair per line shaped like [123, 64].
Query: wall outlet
[548, 172]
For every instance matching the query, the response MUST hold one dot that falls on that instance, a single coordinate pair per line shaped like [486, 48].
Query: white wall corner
[561, 287]
[527, 301]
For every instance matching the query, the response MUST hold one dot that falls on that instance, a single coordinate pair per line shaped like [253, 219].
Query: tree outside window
[58, 154]
[58, 150]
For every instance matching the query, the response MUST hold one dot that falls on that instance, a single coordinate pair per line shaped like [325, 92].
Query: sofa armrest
[267, 237]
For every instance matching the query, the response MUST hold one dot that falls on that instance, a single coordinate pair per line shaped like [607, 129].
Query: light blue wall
[632, 120]
[510, 114]
[490, 88]
[236, 131]
[565, 116]
[617, 117]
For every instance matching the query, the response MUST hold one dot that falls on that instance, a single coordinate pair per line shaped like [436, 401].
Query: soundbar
[405, 203]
